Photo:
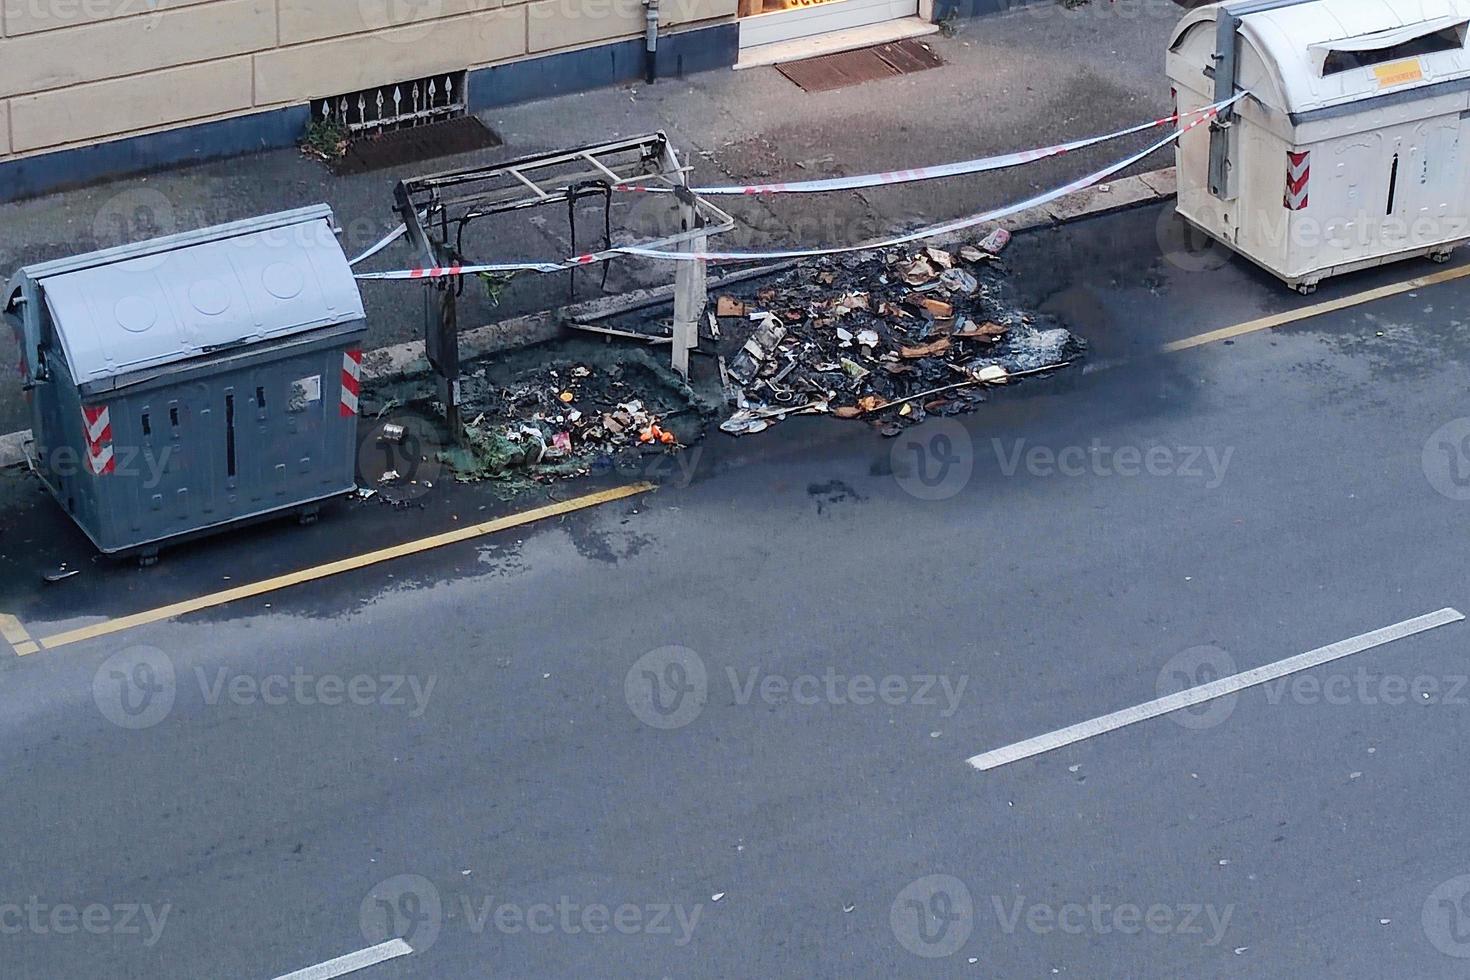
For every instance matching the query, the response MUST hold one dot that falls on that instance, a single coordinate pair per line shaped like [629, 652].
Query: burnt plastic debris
[889, 336]
[568, 419]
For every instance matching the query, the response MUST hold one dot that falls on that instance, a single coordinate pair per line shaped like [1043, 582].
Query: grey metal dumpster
[189, 383]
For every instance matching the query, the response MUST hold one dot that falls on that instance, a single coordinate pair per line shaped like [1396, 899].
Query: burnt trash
[568, 418]
[890, 336]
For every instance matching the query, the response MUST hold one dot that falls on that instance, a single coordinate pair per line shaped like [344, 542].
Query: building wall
[79, 72]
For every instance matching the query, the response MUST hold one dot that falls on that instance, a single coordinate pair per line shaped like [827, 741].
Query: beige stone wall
[74, 72]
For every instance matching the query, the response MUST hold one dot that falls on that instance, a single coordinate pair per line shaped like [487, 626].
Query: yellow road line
[344, 565]
[15, 634]
[1308, 312]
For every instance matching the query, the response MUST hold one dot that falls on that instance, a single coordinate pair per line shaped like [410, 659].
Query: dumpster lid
[1331, 52]
[190, 295]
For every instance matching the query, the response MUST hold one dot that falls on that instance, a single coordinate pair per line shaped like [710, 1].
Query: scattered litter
[891, 336]
[717, 896]
[917, 272]
[925, 350]
[959, 281]
[366, 493]
[757, 350]
[996, 241]
[564, 419]
[61, 574]
[388, 476]
[939, 258]
[744, 423]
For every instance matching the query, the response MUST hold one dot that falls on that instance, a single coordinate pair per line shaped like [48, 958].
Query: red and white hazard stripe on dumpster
[351, 380]
[1298, 176]
[97, 426]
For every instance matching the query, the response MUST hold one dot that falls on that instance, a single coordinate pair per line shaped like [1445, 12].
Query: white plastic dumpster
[1347, 151]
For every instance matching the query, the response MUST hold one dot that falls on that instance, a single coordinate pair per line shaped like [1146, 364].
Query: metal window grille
[397, 106]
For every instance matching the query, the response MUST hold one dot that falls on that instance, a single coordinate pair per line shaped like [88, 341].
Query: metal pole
[1225, 71]
[650, 32]
[447, 361]
[691, 291]
[1227, 46]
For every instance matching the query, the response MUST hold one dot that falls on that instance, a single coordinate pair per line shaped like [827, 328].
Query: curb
[397, 360]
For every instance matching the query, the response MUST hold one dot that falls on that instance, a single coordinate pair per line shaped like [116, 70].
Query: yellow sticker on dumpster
[1399, 73]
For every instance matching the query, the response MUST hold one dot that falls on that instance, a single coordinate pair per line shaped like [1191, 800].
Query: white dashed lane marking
[1215, 689]
[352, 962]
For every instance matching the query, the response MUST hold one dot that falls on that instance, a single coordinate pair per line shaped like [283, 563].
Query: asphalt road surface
[722, 729]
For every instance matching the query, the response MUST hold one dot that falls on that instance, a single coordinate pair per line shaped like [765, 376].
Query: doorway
[772, 21]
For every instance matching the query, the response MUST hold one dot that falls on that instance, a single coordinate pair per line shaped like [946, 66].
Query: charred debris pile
[888, 336]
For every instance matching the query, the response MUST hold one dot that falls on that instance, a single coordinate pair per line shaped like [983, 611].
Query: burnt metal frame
[452, 199]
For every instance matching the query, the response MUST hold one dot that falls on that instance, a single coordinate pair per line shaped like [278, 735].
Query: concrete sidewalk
[1037, 75]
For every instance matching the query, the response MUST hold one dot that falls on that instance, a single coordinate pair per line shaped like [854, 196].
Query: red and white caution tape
[933, 231]
[960, 169]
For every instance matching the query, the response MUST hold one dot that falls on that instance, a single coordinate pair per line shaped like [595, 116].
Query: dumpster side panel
[302, 446]
[1265, 229]
[266, 435]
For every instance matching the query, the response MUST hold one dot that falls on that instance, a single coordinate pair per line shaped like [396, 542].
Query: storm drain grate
[400, 146]
[833, 71]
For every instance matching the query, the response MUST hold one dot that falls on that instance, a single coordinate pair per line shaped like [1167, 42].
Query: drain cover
[401, 146]
[832, 71]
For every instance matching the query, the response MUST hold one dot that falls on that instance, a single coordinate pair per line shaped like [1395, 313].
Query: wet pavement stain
[832, 492]
[611, 547]
[504, 560]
